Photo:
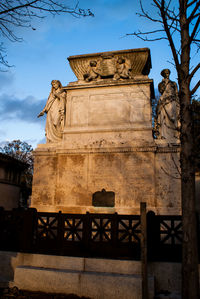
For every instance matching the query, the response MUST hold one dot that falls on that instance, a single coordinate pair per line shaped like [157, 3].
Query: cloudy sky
[42, 57]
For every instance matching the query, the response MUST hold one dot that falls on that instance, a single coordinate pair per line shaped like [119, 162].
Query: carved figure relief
[117, 65]
[55, 110]
[108, 67]
[167, 121]
[123, 69]
[93, 71]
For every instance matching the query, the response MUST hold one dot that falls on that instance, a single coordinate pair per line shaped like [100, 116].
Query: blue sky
[42, 57]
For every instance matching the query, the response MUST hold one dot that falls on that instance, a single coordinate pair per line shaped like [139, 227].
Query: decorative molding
[111, 129]
[139, 62]
[169, 149]
[147, 148]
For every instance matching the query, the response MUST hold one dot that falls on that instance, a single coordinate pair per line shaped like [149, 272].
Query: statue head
[93, 63]
[165, 73]
[121, 60]
[56, 84]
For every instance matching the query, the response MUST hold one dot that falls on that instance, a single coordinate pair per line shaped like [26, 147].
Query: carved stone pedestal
[107, 143]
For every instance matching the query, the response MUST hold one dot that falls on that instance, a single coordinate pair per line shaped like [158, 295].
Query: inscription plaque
[103, 198]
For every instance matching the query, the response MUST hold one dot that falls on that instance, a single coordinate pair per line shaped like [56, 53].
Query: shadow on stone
[7, 293]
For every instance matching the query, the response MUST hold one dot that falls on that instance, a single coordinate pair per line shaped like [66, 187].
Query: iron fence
[90, 235]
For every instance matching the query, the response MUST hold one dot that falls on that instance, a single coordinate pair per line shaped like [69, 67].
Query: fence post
[27, 233]
[114, 234]
[60, 233]
[86, 233]
[153, 236]
[144, 250]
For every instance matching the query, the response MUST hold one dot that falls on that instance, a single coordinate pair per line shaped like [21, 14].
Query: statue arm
[162, 86]
[46, 108]
[41, 113]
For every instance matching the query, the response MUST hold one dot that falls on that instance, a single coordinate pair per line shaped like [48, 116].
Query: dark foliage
[21, 151]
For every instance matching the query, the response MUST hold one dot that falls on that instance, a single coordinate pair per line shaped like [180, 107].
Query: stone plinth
[93, 278]
[66, 181]
[107, 143]
[108, 115]
[88, 284]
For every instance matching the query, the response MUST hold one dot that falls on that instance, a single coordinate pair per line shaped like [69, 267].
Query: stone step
[96, 285]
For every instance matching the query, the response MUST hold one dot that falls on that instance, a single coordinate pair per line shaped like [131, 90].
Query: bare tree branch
[21, 13]
[171, 42]
[140, 35]
[192, 36]
[12, 9]
[191, 3]
[146, 15]
[145, 38]
[194, 11]
[195, 88]
[175, 21]
[173, 26]
[194, 71]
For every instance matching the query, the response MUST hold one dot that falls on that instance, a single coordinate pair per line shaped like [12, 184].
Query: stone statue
[55, 110]
[123, 68]
[167, 121]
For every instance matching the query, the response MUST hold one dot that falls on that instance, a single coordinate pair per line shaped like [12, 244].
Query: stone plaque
[103, 198]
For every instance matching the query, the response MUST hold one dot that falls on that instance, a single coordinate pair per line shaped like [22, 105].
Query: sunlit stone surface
[107, 142]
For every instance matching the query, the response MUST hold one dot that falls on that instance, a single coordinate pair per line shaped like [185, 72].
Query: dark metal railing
[108, 235]
[90, 235]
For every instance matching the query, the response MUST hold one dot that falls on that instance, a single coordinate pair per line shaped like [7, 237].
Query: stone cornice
[109, 82]
[90, 129]
[145, 148]
[140, 62]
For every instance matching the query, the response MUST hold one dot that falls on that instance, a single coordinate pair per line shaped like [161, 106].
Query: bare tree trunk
[190, 252]
[183, 19]
[190, 281]
[190, 288]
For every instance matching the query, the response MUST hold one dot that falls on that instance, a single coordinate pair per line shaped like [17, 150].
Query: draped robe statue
[168, 110]
[55, 110]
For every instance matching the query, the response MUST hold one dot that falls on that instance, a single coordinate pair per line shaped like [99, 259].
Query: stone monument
[100, 155]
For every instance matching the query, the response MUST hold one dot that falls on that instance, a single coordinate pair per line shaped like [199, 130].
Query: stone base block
[67, 181]
[167, 275]
[89, 284]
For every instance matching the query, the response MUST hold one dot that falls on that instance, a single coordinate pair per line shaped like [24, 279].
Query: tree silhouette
[21, 151]
[178, 23]
[21, 13]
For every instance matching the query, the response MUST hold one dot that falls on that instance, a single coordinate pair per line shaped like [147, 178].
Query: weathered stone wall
[65, 181]
[108, 115]
[167, 180]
